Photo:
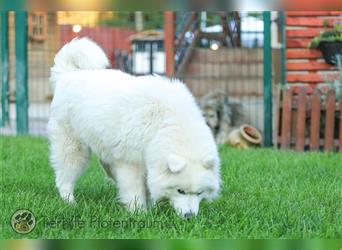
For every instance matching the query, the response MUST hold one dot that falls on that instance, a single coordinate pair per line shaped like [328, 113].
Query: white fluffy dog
[147, 131]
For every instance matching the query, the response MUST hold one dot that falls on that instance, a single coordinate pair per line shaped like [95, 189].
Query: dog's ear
[175, 164]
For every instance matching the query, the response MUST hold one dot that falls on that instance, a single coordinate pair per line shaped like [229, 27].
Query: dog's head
[215, 110]
[185, 184]
[212, 117]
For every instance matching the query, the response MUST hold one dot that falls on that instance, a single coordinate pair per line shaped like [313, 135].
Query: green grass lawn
[265, 194]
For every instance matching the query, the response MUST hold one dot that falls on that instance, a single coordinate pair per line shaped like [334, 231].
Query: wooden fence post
[169, 42]
[286, 119]
[329, 121]
[315, 120]
[301, 117]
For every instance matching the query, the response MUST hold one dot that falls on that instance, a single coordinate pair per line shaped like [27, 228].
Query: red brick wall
[307, 65]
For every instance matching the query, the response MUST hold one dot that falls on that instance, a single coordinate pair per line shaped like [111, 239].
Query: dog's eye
[181, 191]
[199, 193]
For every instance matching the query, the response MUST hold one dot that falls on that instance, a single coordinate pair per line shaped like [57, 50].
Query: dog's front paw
[136, 206]
[68, 197]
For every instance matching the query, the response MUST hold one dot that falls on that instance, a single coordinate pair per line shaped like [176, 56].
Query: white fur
[147, 131]
[79, 54]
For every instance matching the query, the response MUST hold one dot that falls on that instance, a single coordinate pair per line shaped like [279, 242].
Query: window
[37, 26]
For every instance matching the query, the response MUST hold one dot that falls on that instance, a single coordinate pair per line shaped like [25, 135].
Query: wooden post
[286, 119]
[300, 130]
[238, 29]
[329, 121]
[169, 42]
[315, 120]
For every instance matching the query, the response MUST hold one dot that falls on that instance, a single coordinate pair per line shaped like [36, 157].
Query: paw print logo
[23, 221]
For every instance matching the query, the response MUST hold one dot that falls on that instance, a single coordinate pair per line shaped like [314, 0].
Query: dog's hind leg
[69, 159]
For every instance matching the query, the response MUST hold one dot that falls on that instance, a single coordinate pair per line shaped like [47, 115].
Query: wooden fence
[310, 121]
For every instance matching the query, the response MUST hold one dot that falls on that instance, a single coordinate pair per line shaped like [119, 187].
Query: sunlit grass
[265, 194]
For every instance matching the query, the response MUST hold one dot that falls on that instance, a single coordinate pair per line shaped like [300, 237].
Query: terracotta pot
[244, 137]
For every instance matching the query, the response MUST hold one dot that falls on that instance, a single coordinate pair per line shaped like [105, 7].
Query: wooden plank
[329, 121]
[218, 36]
[311, 21]
[186, 28]
[310, 32]
[313, 13]
[309, 66]
[303, 54]
[295, 91]
[286, 119]
[169, 38]
[340, 140]
[315, 120]
[188, 54]
[297, 43]
[310, 78]
[300, 129]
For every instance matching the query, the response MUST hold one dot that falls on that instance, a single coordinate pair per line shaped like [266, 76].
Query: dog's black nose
[188, 215]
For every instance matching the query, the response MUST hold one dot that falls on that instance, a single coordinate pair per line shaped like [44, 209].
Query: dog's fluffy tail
[79, 54]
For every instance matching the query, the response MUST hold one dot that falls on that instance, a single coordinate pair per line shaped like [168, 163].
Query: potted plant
[330, 43]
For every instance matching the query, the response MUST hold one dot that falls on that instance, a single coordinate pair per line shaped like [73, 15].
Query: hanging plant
[330, 43]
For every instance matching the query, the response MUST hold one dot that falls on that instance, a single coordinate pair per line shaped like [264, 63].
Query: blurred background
[212, 51]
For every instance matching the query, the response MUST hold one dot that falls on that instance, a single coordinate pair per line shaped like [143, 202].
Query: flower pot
[330, 50]
[244, 137]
